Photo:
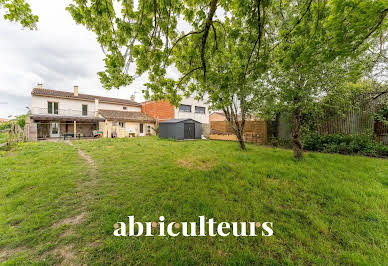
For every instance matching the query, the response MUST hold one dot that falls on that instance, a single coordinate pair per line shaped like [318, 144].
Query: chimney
[40, 85]
[75, 90]
[132, 98]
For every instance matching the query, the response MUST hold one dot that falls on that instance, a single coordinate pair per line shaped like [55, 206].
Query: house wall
[202, 118]
[39, 106]
[108, 127]
[119, 107]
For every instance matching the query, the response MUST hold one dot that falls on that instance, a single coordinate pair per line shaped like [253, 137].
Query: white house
[57, 114]
[194, 109]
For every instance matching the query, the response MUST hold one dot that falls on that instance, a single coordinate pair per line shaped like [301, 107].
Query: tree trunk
[296, 134]
[237, 127]
[240, 138]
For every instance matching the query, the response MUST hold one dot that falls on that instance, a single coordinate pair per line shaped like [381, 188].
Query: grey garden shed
[180, 129]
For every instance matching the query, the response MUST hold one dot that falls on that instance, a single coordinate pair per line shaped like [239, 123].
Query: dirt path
[67, 252]
[86, 157]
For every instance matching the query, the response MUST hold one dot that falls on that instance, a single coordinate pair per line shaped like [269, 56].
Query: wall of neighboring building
[202, 118]
[161, 110]
[217, 117]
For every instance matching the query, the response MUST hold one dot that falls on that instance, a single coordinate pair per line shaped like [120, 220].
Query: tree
[216, 57]
[318, 53]
[19, 11]
[224, 57]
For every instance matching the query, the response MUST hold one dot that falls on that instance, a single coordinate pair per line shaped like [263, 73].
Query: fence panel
[254, 131]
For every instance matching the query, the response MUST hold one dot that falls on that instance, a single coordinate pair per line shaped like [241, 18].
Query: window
[141, 128]
[115, 124]
[121, 124]
[53, 108]
[149, 129]
[200, 110]
[84, 109]
[185, 108]
[124, 108]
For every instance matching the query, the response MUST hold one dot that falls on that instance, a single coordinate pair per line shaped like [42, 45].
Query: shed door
[189, 131]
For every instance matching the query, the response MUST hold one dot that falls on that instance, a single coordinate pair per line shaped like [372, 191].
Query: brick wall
[161, 110]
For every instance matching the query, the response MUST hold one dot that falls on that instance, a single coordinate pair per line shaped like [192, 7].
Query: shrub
[5, 125]
[364, 144]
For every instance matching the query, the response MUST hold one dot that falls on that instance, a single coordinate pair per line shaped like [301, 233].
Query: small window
[121, 124]
[84, 109]
[200, 110]
[115, 124]
[185, 108]
[148, 129]
[52, 108]
[141, 128]
[124, 108]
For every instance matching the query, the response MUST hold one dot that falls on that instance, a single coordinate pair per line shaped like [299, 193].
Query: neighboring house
[56, 113]
[217, 116]
[189, 109]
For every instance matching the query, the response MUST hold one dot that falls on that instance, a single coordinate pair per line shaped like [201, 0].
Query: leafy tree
[216, 57]
[319, 53]
[224, 57]
[19, 11]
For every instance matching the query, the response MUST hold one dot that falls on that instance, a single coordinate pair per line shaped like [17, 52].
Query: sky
[59, 54]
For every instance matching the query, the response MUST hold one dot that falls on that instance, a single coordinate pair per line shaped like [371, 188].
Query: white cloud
[59, 54]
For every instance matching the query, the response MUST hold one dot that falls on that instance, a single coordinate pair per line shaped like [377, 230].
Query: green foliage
[364, 144]
[5, 125]
[21, 121]
[3, 137]
[382, 113]
[19, 11]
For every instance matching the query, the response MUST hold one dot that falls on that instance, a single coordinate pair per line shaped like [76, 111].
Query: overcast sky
[60, 54]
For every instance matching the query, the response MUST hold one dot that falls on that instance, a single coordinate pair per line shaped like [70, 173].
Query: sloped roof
[87, 97]
[125, 116]
[173, 121]
[66, 118]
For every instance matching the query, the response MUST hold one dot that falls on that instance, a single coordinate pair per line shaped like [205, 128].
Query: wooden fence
[381, 132]
[354, 122]
[254, 131]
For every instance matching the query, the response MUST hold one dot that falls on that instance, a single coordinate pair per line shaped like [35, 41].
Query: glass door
[54, 129]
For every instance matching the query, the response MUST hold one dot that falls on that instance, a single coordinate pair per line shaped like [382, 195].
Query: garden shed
[180, 129]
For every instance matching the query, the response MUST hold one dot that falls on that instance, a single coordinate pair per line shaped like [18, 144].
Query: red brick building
[159, 110]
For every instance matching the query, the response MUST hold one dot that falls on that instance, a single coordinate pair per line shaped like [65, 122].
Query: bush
[364, 144]
[5, 125]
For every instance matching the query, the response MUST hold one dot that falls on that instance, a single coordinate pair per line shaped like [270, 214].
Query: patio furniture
[97, 134]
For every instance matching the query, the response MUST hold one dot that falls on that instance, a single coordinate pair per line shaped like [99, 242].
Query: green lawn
[3, 137]
[55, 207]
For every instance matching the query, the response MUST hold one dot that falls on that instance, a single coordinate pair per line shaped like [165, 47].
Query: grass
[3, 137]
[327, 209]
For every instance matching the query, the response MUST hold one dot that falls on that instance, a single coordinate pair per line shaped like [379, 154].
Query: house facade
[189, 109]
[56, 114]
